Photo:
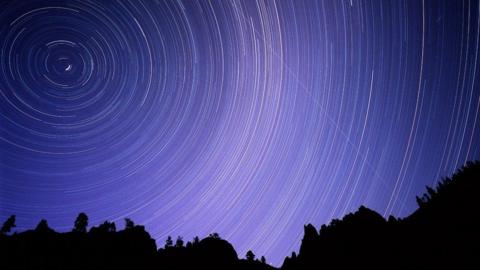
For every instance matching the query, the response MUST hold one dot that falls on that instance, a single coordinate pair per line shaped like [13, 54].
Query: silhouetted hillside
[441, 233]
[100, 248]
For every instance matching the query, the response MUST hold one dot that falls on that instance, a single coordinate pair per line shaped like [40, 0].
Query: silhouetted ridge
[44, 248]
[441, 234]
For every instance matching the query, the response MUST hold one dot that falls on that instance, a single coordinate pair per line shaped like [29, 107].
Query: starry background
[246, 118]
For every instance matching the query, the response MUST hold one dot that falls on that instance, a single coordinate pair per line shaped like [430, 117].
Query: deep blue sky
[240, 117]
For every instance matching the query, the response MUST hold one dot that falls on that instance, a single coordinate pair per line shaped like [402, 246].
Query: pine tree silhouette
[8, 225]
[81, 223]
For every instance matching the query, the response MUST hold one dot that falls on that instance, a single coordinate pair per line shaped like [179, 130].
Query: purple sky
[246, 118]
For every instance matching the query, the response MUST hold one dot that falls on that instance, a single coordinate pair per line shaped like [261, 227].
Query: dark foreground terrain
[443, 233]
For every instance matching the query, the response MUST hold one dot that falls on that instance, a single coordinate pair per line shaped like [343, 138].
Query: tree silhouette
[179, 242]
[129, 224]
[214, 235]
[8, 225]
[43, 226]
[294, 255]
[169, 242]
[196, 240]
[263, 260]
[431, 192]
[419, 201]
[250, 256]
[107, 226]
[81, 223]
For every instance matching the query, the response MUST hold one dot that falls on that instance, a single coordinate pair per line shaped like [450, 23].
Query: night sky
[246, 118]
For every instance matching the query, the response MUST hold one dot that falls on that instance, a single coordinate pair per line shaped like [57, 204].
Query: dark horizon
[160, 243]
[246, 118]
[446, 217]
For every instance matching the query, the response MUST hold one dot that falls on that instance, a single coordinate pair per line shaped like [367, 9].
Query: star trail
[246, 118]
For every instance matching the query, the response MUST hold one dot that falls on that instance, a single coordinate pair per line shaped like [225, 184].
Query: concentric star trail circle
[246, 118]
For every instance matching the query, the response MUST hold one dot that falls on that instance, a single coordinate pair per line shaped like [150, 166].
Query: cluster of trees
[81, 227]
[179, 244]
[251, 257]
[432, 193]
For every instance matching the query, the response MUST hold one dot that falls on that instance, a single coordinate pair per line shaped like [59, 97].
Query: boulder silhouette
[216, 253]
